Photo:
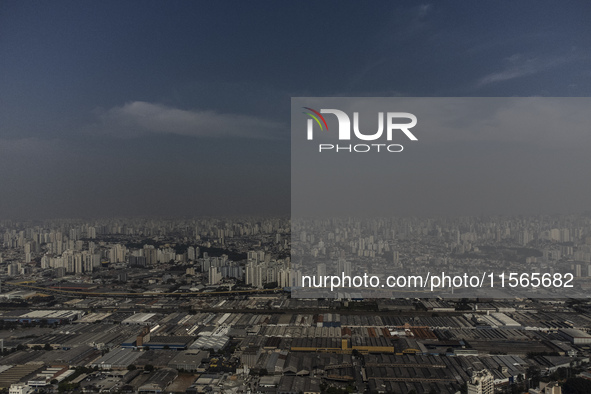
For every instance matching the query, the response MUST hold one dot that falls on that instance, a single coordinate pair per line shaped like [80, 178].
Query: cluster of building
[149, 306]
[261, 349]
[383, 247]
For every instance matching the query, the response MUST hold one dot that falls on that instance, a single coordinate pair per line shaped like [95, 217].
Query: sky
[145, 108]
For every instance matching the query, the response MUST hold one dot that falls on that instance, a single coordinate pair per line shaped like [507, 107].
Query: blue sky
[182, 108]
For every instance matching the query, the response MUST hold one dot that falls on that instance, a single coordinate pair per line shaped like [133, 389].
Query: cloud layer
[139, 117]
[518, 65]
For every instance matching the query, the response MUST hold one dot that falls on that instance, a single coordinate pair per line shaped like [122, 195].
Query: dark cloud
[195, 100]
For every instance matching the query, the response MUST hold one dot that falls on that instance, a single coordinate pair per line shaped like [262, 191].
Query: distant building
[188, 361]
[158, 381]
[20, 389]
[550, 388]
[299, 384]
[214, 276]
[250, 356]
[576, 337]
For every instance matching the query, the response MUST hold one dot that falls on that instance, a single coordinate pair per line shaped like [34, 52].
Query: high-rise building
[191, 253]
[254, 274]
[88, 261]
[482, 382]
[91, 232]
[251, 255]
[117, 253]
[395, 258]
[13, 269]
[295, 278]
[137, 261]
[78, 263]
[343, 267]
[214, 276]
[151, 255]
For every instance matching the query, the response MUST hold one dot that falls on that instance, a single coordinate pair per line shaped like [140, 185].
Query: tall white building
[482, 382]
[252, 255]
[215, 276]
[91, 232]
[117, 253]
[343, 267]
[12, 269]
[254, 274]
[191, 253]
[396, 258]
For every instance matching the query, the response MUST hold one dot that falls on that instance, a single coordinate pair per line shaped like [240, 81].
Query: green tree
[533, 373]
[576, 386]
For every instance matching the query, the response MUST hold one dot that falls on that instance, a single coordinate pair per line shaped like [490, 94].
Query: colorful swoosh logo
[315, 115]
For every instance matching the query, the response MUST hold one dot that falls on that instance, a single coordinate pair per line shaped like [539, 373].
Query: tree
[67, 387]
[131, 367]
[576, 386]
[148, 367]
[560, 374]
[47, 347]
[464, 388]
[533, 373]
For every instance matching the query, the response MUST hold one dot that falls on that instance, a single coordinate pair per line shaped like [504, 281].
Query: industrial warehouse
[386, 351]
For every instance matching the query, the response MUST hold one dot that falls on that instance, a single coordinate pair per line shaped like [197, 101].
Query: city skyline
[185, 306]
